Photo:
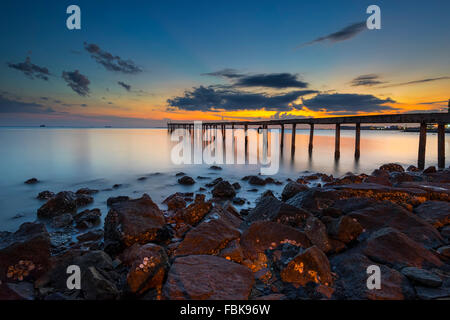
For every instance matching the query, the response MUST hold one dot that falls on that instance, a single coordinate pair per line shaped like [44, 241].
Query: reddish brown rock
[133, 221]
[175, 203]
[316, 232]
[148, 265]
[344, 229]
[63, 202]
[436, 213]
[393, 248]
[310, 266]
[431, 169]
[87, 218]
[383, 180]
[193, 213]
[291, 189]
[223, 189]
[205, 277]
[392, 167]
[233, 252]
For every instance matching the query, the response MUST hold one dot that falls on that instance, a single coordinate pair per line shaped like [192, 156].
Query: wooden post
[311, 137]
[293, 138]
[337, 142]
[282, 136]
[357, 140]
[246, 142]
[422, 146]
[441, 145]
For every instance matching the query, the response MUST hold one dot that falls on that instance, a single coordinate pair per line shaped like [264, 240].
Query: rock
[393, 248]
[444, 251]
[345, 229]
[45, 195]
[209, 237]
[25, 252]
[239, 201]
[310, 266]
[386, 214]
[193, 213]
[236, 186]
[316, 232]
[141, 178]
[291, 189]
[175, 202]
[399, 177]
[186, 180]
[412, 169]
[383, 180]
[223, 189]
[445, 233]
[214, 182]
[91, 236]
[422, 277]
[87, 191]
[270, 180]
[392, 167]
[24, 290]
[233, 252]
[63, 202]
[215, 168]
[31, 181]
[271, 209]
[148, 266]
[180, 174]
[87, 218]
[436, 213]
[134, 221]
[96, 286]
[62, 221]
[205, 277]
[114, 200]
[351, 269]
[431, 169]
[256, 181]
[261, 235]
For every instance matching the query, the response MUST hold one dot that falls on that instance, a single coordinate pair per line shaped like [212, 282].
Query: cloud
[124, 85]
[416, 82]
[267, 80]
[14, 106]
[110, 62]
[210, 99]
[30, 69]
[78, 82]
[434, 102]
[347, 102]
[341, 35]
[366, 80]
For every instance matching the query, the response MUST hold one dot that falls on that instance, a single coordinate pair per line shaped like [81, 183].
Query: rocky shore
[315, 241]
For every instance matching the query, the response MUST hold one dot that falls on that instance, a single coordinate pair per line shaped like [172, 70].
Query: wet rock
[214, 182]
[436, 213]
[215, 168]
[26, 251]
[431, 169]
[399, 177]
[425, 293]
[203, 178]
[347, 179]
[117, 186]
[236, 186]
[270, 180]
[180, 174]
[186, 180]
[142, 178]
[87, 191]
[239, 201]
[422, 277]
[133, 221]
[351, 269]
[87, 219]
[98, 287]
[291, 189]
[316, 232]
[312, 265]
[393, 248]
[45, 195]
[114, 200]
[196, 277]
[233, 252]
[62, 221]
[445, 233]
[148, 266]
[23, 290]
[175, 202]
[383, 180]
[392, 167]
[344, 229]
[223, 189]
[262, 235]
[256, 181]
[31, 181]
[193, 213]
[412, 169]
[63, 202]
[91, 236]
[444, 251]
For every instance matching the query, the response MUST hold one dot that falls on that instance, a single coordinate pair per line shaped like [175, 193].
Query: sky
[143, 63]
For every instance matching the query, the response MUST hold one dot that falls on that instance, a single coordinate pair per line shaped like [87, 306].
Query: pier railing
[423, 119]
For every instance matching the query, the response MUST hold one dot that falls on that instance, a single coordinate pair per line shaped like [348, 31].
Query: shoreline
[328, 228]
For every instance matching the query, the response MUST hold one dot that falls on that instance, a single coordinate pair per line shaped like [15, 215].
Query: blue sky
[175, 43]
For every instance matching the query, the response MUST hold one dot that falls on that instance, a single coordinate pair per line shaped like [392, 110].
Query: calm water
[69, 159]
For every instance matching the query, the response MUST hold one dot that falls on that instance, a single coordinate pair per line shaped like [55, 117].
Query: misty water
[73, 158]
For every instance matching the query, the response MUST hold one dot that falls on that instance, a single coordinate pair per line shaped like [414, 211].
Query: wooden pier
[423, 119]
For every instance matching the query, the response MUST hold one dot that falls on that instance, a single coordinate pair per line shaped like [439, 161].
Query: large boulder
[393, 248]
[422, 277]
[206, 277]
[392, 167]
[436, 213]
[223, 189]
[63, 202]
[316, 232]
[88, 218]
[186, 180]
[345, 229]
[291, 189]
[351, 269]
[193, 213]
[312, 265]
[133, 221]
[24, 254]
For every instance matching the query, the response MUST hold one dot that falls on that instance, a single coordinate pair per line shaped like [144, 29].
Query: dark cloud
[210, 98]
[416, 82]
[267, 80]
[30, 69]
[124, 85]
[347, 102]
[435, 102]
[78, 82]
[110, 62]
[13, 106]
[366, 80]
[341, 35]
